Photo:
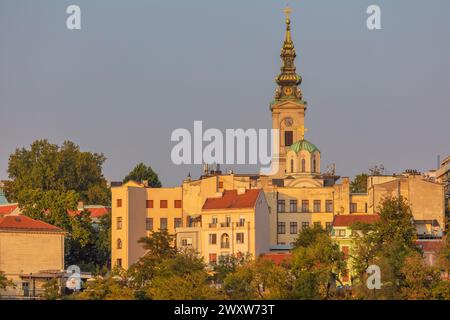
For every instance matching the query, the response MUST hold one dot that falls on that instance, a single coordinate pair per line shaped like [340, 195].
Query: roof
[232, 200]
[303, 145]
[277, 258]
[95, 211]
[25, 223]
[7, 209]
[349, 219]
[430, 245]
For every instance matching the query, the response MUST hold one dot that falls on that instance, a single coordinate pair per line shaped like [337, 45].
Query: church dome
[303, 145]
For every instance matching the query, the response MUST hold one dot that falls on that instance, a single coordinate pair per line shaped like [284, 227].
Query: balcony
[225, 245]
[240, 224]
[212, 225]
[225, 225]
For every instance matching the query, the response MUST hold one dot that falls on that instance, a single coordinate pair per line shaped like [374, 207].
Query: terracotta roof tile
[232, 200]
[20, 222]
[7, 209]
[277, 258]
[95, 212]
[349, 219]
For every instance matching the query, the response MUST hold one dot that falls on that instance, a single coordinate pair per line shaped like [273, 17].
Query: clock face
[288, 91]
[288, 122]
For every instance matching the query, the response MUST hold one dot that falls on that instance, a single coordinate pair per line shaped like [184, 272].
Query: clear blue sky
[139, 69]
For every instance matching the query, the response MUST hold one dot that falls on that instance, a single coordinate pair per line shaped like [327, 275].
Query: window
[317, 206]
[177, 203]
[119, 223]
[212, 238]
[293, 228]
[281, 206]
[365, 207]
[329, 206]
[281, 227]
[177, 222]
[240, 237]
[328, 226]
[220, 184]
[149, 204]
[163, 204]
[225, 241]
[288, 138]
[317, 224]
[292, 165]
[119, 203]
[293, 205]
[241, 222]
[303, 166]
[149, 224]
[163, 223]
[305, 225]
[340, 233]
[314, 164]
[186, 242]
[353, 207]
[119, 244]
[305, 206]
[119, 263]
[213, 258]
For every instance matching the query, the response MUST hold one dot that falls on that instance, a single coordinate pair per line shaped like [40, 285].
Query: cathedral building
[221, 214]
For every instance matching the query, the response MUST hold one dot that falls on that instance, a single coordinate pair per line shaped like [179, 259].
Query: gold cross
[302, 131]
[288, 12]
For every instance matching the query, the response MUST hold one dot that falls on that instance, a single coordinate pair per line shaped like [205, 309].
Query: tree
[142, 173]
[112, 287]
[359, 184]
[48, 181]
[386, 243]
[49, 167]
[51, 290]
[308, 236]
[260, 279]
[5, 282]
[377, 170]
[316, 267]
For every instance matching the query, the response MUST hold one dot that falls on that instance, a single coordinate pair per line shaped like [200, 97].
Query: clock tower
[288, 107]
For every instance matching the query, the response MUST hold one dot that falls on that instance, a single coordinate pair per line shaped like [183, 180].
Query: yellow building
[299, 195]
[236, 222]
[29, 247]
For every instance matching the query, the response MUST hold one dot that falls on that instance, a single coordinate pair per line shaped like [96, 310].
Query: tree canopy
[142, 173]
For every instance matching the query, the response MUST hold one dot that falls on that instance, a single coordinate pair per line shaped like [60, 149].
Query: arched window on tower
[303, 165]
[119, 243]
[314, 166]
[292, 165]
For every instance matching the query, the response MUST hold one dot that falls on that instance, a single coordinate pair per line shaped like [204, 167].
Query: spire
[288, 80]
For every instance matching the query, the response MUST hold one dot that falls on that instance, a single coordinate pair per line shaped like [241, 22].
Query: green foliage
[316, 267]
[260, 279]
[49, 167]
[227, 264]
[307, 236]
[48, 181]
[51, 290]
[142, 173]
[359, 184]
[5, 282]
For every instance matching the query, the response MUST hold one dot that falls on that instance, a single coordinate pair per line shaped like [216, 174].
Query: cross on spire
[302, 130]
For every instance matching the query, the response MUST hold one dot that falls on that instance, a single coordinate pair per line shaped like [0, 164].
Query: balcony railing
[225, 245]
[225, 225]
[240, 224]
[212, 225]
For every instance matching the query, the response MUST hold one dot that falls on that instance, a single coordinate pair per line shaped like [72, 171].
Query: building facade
[300, 194]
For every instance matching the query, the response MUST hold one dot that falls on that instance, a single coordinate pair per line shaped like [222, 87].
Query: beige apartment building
[300, 194]
[29, 248]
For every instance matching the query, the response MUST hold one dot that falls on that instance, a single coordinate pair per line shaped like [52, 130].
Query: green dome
[303, 145]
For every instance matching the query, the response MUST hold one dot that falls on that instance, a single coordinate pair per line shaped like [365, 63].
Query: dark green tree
[359, 183]
[142, 173]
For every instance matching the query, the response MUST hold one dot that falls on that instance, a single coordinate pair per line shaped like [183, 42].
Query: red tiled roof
[26, 223]
[7, 209]
[349, 219]
[232, 200]
[430, 246]
[277, 258]
[95, 212]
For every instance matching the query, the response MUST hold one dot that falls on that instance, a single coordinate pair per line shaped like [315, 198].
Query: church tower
[288, 107]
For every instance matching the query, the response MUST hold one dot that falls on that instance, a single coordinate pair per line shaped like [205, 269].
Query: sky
[137, 70]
